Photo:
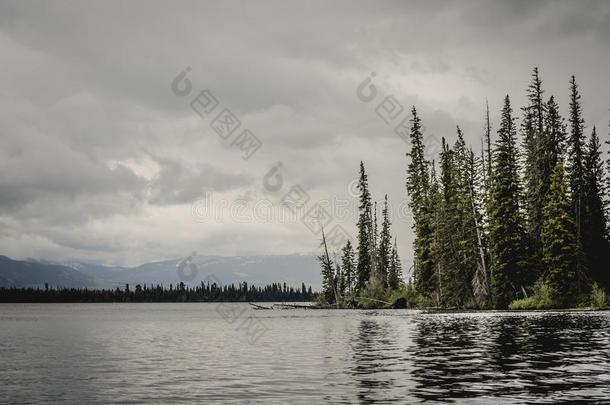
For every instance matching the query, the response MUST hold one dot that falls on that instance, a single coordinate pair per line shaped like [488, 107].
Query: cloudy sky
[101, 159]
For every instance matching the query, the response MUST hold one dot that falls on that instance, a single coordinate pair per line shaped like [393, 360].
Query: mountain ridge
[292, 269]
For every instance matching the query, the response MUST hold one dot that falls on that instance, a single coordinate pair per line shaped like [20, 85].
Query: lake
[228, 353]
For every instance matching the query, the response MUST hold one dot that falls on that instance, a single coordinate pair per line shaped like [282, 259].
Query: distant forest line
[521, 224]
[204, 292]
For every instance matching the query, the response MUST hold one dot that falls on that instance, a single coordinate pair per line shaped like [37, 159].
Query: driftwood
[294, 306]
[257, 307]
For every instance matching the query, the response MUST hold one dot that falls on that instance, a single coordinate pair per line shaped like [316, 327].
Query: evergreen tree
[575, 165]
[385, 244]
[607, 187]
[507, 233]
[488, 151]
[447, 253]
[374, 259]
[363, 269]
[467, 219]
[560, 245]
[417, 187]
[349, 268]
[535, 194]
[554, 142]
[438, 236]
[395, 269]
[594, 231]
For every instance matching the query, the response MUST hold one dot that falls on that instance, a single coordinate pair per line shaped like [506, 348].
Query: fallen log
[291, 306]
[257, 307]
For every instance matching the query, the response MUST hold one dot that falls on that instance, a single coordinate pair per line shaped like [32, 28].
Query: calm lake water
[228, 353]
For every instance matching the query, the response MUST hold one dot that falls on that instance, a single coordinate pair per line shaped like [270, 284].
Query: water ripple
[188, 353]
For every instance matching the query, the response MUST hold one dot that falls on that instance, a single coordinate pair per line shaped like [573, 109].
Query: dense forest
[521, 224]
[205, 292]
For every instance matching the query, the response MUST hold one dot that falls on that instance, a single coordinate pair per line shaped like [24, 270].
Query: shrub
[598, 296]
[542, 299]
[403, 291]
[372, 295]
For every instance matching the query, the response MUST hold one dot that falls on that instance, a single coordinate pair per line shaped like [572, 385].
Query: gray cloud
[99, 160]
[179, 184]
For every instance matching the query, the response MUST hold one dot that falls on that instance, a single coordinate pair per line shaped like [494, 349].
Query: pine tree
[363, 269]
[448, 228]
[437, 239]
[507, 233]
[552, 146]
[349, 268]
[575, 165]
[418, 184]
[594, 231]
[607, 187]
[385, 244]
[488, 151]
[395, 268]
[560, 244]
[535, 194]
[467, 219]
[374, 259]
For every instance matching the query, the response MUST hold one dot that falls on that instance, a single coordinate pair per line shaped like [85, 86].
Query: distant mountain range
[291, 269]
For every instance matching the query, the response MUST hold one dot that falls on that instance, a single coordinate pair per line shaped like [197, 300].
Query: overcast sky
[101, 160]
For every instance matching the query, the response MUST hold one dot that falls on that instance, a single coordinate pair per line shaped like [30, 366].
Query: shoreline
[296, 305]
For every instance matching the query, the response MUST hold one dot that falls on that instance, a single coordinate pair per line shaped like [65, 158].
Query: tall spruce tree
[560, 244]
[607, 186]
[467, 219]
[418, 183]
[575, 166]
[553, 143]
[437, 239]
[375, 269]
[348, 264]
[395, 269]
[365, 225]
[594, 229]
[448, 229]
[385, 244]
[507, 233]
[535, 193]
[488, 151]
